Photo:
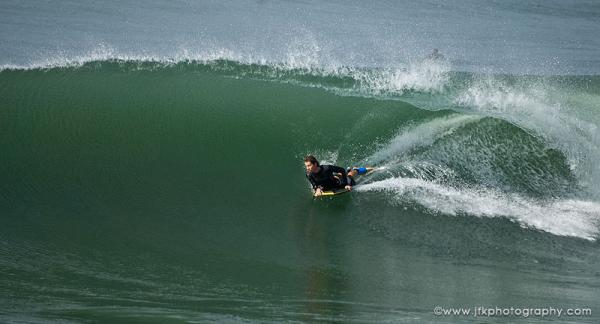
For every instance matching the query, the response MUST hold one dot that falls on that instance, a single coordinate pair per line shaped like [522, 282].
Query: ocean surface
[151, 160]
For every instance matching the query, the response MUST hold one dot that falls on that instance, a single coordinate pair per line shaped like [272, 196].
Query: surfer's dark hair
[311, 159]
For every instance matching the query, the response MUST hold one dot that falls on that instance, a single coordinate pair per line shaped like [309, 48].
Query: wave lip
[568, 217]
[301, 59]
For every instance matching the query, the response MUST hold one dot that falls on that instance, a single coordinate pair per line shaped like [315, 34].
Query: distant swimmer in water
[435, 55]
[327, 177]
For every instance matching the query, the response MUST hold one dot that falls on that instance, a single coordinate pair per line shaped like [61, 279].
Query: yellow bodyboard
[333, 192]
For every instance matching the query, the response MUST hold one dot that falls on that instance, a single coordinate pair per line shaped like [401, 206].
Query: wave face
[532, 139]
[151, 159]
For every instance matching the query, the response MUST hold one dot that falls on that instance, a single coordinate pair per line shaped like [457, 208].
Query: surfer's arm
[313, 183]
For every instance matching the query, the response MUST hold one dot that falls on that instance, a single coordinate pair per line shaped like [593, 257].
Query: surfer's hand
[349, 188]
[318, 192]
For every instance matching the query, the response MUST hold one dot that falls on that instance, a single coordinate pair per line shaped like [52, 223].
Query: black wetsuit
[327, 178]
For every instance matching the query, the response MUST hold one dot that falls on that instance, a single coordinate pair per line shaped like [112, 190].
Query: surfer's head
[311, 163]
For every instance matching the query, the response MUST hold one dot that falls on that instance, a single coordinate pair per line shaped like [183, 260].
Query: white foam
[568, 217]
[421, 135]
[423, 75]
[303, 53]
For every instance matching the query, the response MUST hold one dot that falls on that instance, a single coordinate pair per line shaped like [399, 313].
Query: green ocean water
[152, 192]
